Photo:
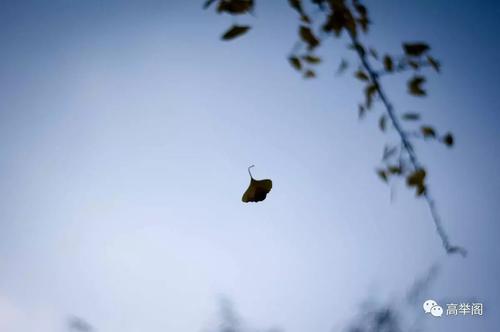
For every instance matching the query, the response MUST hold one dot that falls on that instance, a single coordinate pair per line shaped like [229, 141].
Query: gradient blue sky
[126, 130]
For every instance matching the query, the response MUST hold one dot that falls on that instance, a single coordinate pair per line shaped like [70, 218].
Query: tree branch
[406, 145]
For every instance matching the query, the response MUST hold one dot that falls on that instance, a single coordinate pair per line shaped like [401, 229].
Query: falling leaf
[415, 86]
[235, 31]
[415, 49]
[257, 190]
[373, 53]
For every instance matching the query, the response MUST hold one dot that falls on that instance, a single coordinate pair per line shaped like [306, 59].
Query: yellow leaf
[257, 190]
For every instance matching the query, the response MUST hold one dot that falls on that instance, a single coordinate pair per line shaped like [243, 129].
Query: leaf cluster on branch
[350, 20]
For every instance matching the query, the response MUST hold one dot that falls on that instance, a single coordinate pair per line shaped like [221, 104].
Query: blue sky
[127, 127]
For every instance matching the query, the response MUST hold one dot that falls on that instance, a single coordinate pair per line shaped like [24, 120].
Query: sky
[127, 128]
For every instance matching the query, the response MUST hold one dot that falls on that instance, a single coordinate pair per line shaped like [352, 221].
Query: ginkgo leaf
[257, 190]
[235, 31]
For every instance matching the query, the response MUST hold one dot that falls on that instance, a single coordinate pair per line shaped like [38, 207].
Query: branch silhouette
[408, 148]
[352, 17]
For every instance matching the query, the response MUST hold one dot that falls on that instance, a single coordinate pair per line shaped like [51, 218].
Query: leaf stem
[249, 170]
